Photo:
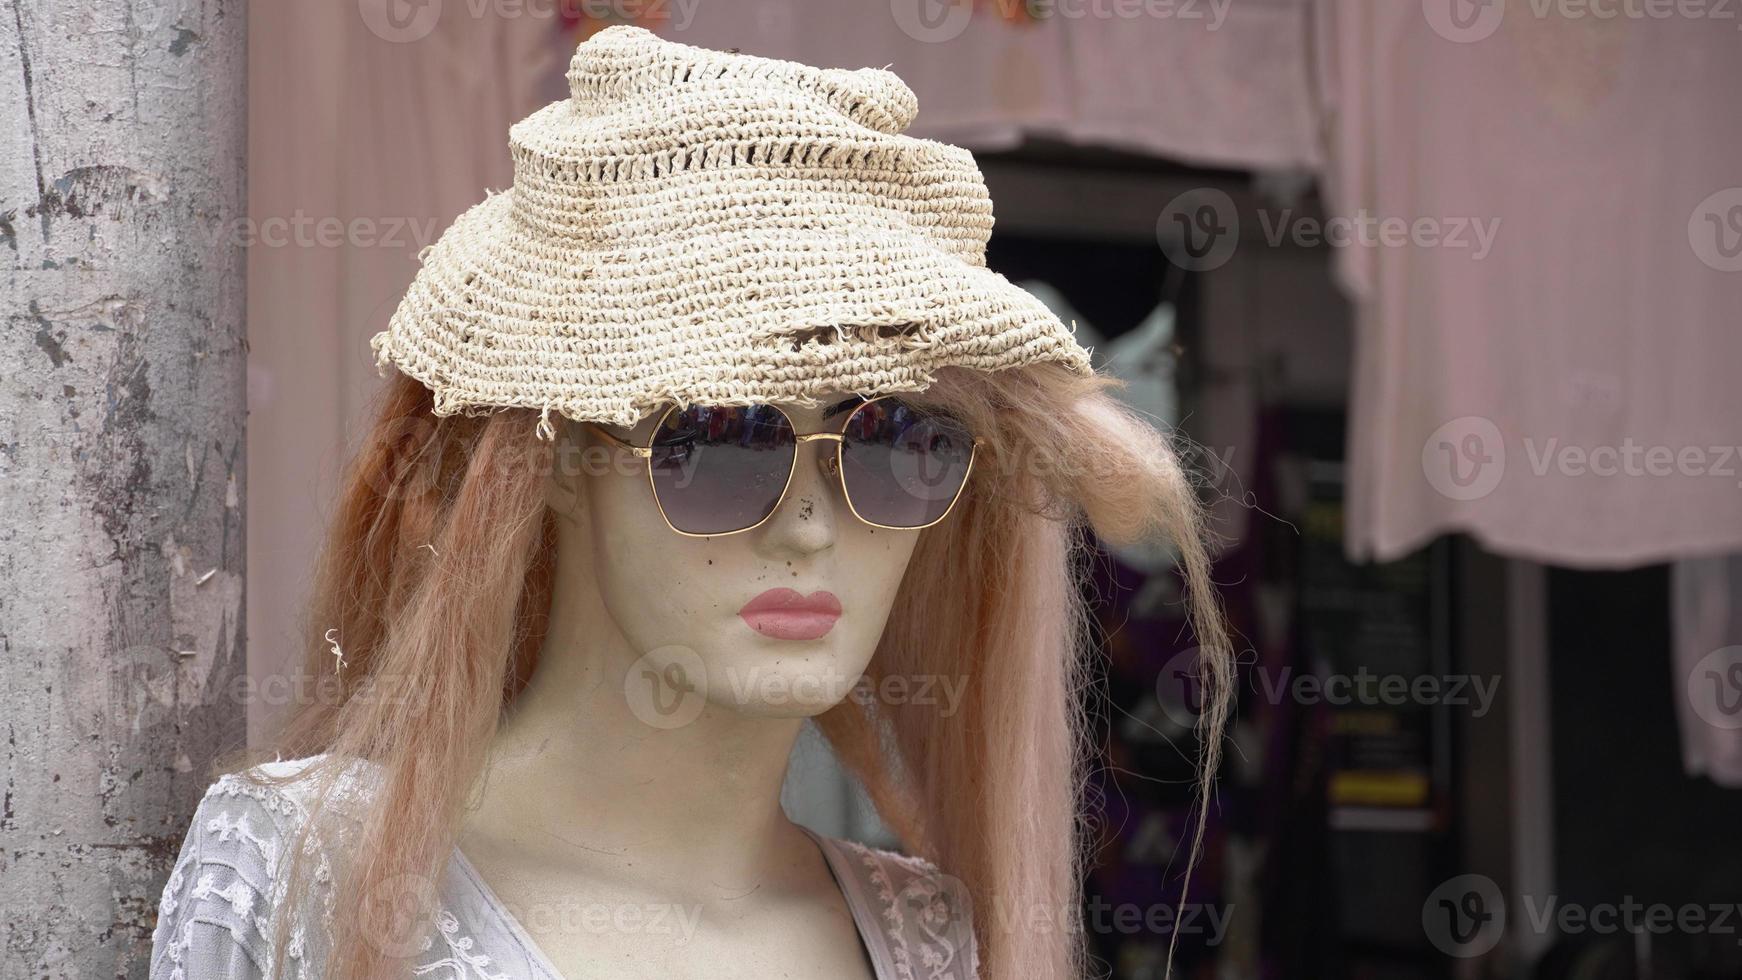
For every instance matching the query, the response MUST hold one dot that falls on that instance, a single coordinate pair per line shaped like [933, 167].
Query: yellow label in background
[1379, 788]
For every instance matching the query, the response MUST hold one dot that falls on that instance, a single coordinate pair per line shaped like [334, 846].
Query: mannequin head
[675, 600]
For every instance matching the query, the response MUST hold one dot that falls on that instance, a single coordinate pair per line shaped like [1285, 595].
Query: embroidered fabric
[221, 908]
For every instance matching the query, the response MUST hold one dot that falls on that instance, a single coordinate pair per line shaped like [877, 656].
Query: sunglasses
[722, 469]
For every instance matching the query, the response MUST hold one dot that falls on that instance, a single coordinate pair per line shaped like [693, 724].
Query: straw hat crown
[696, 226]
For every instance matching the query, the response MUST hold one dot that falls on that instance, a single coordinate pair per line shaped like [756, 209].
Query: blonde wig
[437, 567]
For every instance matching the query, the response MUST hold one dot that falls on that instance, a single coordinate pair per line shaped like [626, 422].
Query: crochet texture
[701, 227]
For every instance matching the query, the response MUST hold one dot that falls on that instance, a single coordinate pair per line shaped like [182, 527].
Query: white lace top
[219, 912]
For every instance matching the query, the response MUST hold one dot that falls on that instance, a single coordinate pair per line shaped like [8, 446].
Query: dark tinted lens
[903, 467]
[719, 469]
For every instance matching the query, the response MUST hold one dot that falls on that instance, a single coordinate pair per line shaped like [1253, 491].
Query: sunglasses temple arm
[619, 441]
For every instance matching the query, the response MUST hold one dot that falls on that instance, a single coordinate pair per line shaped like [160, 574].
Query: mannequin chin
[677, 600]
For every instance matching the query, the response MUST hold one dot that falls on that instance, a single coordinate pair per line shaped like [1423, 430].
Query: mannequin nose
[805, 522]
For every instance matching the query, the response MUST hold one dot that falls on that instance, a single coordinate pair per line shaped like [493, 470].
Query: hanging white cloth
[1547, 340]
[1202, 81]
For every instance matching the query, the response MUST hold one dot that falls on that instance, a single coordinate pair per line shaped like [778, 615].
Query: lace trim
[928, 918]
[461, 959]
[178, 943]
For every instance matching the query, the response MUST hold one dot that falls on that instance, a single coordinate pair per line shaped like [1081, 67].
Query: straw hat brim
[610, 326]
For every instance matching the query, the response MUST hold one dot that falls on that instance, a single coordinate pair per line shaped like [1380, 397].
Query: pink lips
[787, 615]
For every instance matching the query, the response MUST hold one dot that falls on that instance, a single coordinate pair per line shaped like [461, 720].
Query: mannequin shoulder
[281, 796]
[219, 909]
[926, 913]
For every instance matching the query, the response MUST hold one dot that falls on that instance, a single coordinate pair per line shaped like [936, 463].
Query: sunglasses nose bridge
[828, 457]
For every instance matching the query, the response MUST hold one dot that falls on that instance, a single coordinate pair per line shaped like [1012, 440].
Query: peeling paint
[183, 39]
[93, 191]
[52, 346]
[209, 616]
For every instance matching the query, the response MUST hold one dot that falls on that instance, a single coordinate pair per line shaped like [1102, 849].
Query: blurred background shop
[1447, 299]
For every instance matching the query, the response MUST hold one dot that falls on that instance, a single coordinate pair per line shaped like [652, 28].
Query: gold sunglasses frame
[836, 466]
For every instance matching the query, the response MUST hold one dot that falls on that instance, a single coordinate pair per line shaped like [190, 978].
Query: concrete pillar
[121, 460]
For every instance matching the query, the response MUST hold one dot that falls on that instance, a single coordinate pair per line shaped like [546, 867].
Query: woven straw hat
[701, 227]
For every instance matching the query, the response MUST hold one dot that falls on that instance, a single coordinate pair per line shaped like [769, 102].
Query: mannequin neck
[576, 777]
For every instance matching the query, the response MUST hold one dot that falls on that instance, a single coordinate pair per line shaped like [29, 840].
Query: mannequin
[687, 815]
[459, 533]
[543, 697]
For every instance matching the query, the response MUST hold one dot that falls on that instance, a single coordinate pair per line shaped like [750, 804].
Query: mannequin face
[680, 602]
